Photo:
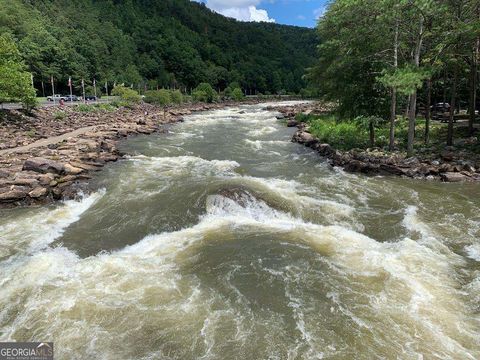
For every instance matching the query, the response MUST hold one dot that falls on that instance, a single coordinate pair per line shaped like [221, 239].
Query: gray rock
[454, 177]
[292, 123]
[72, 170]
[13, 195]
[43, 166]
[303, 137]
[4, 174]
[38, 192]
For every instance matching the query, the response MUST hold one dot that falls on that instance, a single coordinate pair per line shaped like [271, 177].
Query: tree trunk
[393, 116]
[393, 108]
[411, 123]
[371, 130]
[452, 109]
[473, 87]
[444, 87]
[413, 98]
[428, 114]
[407, 108]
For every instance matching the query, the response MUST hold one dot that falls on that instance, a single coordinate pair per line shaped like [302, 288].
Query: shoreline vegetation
[52, 154]
[84, 138]
[347, 144]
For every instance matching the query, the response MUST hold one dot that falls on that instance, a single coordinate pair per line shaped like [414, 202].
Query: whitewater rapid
[224, 240]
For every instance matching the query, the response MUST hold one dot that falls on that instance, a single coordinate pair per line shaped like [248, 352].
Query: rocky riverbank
[52, 154]
[448, 165]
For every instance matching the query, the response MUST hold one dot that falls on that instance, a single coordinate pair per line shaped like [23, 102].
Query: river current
[224, 240]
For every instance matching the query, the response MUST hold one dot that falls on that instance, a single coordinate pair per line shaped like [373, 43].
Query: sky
[291, 12]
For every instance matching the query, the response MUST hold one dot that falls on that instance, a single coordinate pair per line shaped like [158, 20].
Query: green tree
[15, 82]
[177, 96]
[127, 95]
[161, 98]
[237, 94]
[204, 92]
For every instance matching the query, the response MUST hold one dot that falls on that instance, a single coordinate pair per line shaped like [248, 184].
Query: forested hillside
[385, 58]
[168, 43]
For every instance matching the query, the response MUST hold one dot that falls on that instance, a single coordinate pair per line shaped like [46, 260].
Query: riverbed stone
[292, 123]
[4, 174]
[72, 170]
[303, 137]
[46, 178]
[454, 177]
[13, 195]
[42, 165]
[38, 192]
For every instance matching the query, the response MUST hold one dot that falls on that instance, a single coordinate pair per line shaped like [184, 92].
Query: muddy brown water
[224, 240]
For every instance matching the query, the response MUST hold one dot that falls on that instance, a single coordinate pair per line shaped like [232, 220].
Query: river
[224, 240]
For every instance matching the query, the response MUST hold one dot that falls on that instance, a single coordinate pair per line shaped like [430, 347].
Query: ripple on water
[272, 267]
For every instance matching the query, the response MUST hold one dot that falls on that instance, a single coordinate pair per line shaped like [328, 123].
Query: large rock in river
[303, 137]
[454, 177]
[44, 166]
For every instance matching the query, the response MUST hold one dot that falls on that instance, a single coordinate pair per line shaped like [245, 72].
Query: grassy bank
[354, 134]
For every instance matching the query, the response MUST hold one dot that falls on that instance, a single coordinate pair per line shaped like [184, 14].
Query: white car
[56, 97]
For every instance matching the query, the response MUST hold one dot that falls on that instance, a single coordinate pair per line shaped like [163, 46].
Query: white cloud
[243, 10]
[318, 13]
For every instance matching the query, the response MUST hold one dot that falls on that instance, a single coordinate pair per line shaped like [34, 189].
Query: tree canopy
[15, 82]
[376, 56]
[169, 43]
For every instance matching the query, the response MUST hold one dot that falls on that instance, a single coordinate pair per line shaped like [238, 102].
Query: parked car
[90, 98]
[56, 97]
[71, 98]
[440, 107]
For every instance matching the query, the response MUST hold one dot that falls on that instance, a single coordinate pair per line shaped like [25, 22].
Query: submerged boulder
[454, 177]
[292, 123]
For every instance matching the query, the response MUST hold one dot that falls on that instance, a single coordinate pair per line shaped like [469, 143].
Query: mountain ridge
[171, 43]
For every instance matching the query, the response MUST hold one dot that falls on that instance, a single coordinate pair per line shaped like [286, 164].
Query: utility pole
[83, 91]
[53, 90]
[70, 86]
[95, 89]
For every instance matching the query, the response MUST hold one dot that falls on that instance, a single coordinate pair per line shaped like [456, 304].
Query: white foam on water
[43, 226]
[473, 252]
[262, 131]
[402, 297]
[170, 167]
[259, 144]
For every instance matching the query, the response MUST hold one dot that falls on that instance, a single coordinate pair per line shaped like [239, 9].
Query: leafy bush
[228, 92]
[105, 107]
[119, 103]
[177, 96]
[96, 108]
[126, 94]
[204, 92]
[15, 80]
[85, 108]
[342, 135]
[199, 95]
[237, 94]
[301, 117]
[59, 115]
[158, 97]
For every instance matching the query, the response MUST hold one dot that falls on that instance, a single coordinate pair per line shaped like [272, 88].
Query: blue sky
[292, 12]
